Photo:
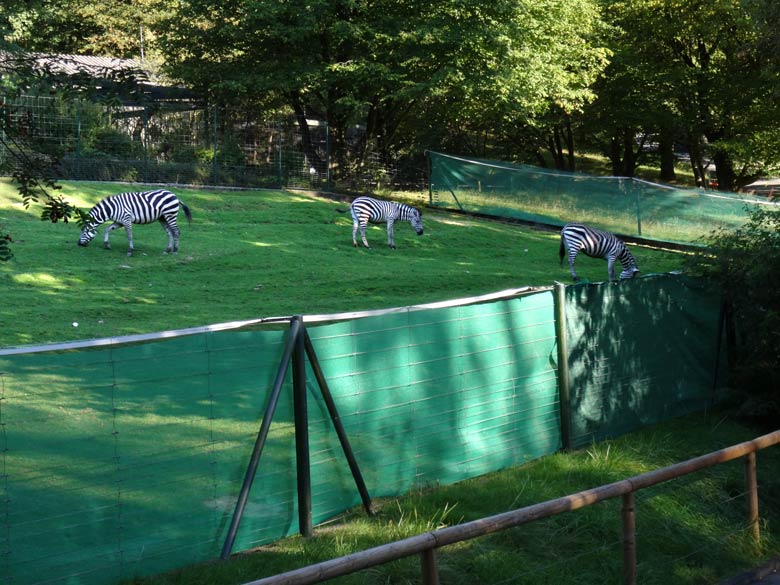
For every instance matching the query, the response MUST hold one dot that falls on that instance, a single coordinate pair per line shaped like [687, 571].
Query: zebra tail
[186, 211]
[561, 252]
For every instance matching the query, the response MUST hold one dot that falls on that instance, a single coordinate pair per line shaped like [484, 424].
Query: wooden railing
[426, 544]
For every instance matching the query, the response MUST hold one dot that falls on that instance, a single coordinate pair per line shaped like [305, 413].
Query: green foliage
[745, 264]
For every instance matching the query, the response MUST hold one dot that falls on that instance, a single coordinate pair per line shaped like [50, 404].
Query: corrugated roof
[74, 64]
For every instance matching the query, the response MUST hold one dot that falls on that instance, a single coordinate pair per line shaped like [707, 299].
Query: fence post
[638, 207]
[302, 455]
[751, 485]
[629, 539]
[314, 362]
[563, 366]
[279, 166]
[430, 567]
[214, 147]
[144, 140]
[327, 156]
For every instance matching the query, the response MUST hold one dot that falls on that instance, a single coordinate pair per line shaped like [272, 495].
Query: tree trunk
[309, 150]
[666, 150]
[569, 141]
[724, 168]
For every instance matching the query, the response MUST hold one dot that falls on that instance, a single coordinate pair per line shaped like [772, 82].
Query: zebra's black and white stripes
[576, 238]
[367, 210]
[125, 209]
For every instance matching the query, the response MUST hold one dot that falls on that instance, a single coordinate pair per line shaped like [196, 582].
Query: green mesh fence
[127, 460]
[639, 354]
[617, 204]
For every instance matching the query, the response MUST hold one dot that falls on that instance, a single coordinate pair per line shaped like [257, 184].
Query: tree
[695, 73]
[415, 75]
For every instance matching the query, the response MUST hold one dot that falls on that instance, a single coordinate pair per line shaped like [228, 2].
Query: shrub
[745, 264]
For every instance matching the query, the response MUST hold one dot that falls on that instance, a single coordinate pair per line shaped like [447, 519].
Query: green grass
[689, 531]
[251, 254]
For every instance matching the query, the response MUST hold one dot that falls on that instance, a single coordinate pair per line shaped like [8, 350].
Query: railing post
[430, 567]
[751, 485]
[629, 539]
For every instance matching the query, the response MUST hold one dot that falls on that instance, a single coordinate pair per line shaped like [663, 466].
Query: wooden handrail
[424, 544]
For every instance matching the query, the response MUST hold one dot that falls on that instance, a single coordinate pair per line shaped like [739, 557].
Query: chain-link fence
[185, 143]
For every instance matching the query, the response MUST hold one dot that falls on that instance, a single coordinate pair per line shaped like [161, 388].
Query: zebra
[368, 209]
[576, 237]
[125, 209]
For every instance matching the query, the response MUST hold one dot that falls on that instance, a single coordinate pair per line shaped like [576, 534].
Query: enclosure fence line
[192, 432]
[624, 205]
[428, 543]
[234, 325]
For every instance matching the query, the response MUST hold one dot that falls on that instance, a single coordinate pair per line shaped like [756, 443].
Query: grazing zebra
[368, 209]
[125, 209]
[576, 237]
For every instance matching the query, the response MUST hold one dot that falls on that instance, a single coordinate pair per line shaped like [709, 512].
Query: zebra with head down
[125, 209]
[368, 209]
[577, 237]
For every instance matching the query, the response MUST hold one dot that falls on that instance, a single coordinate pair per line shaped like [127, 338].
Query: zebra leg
[109, 229]
[363, 225]
[173, 236]
[390, 234]
[611, 268]
[572, 258]
[354, 232]
[129, 230]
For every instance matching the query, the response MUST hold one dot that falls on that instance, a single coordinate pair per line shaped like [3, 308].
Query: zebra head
[416, 221]
[630, 270]
[88, 233]
[97, 215]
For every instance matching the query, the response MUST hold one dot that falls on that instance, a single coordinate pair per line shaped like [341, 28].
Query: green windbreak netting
[128, 459]
[640, 352]
[437, 396]
[617, 204]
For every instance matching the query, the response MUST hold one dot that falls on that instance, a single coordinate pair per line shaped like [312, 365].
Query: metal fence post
[302, 455]
[262, 435]
[563, 366]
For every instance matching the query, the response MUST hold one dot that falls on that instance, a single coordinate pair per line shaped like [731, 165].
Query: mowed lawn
[252, 254]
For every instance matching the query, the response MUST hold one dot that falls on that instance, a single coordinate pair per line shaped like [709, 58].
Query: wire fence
[188, 144]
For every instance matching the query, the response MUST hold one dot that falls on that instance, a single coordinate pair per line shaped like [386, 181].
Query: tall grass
[251, 254]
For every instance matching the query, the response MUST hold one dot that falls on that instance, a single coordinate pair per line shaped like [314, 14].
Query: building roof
[95, 66]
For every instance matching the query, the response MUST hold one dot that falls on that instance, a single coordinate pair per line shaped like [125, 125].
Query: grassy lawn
[251, 254]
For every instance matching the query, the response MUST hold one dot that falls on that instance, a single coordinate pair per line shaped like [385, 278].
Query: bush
[745, 264]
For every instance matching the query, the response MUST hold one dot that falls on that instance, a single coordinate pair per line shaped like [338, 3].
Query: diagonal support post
[334, 416]
[297, 348]
[262, 435]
